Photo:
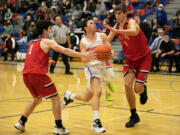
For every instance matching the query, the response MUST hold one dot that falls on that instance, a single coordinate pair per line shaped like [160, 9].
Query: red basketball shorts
[140, 68]
[40, 85]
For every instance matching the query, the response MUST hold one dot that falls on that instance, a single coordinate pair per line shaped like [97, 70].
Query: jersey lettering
[30, 49]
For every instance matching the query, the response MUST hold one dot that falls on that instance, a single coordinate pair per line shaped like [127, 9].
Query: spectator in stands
[154, 27]
[8, 14]
[2, 13]
[1, 45]
[108, 4]
[167, 50]
[85, 6]
[100, 9]
[31, 28]
[161, 16]
[41, 12]
[99, 27]
[27, 23]
[176, 26]
[155, 48]
[91, 6]
[24, 37]
[145, 27]
[177, 57]
[72, 24]
[106, 22]
[10, 46]
[130, 9]
[9, 28]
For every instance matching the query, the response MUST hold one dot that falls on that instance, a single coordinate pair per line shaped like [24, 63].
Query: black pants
[155, 61]
[64, 59]
[12, 52]
[177, 59]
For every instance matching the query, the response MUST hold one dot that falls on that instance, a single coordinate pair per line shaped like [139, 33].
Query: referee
[61, 36]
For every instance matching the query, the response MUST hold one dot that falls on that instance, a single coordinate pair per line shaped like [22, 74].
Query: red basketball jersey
[134, 47]
[37, 60]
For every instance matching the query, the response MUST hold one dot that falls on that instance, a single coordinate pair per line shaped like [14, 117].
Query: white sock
[95, 115]
[72, 96]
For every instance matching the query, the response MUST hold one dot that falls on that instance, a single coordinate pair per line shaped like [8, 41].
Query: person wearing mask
[61, 36]
[130, 9]
[161, 16]
[8, 14]
[36, 79]
[155, 48]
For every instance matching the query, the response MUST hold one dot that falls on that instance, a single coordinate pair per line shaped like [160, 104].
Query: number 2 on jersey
[30, 49]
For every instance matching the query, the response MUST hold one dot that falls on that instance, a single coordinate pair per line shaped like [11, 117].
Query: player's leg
[110, 75]
[56, 109]
[141, 89]
[128, 82]
[97, 89]
[141, 78]
[30, 107]
[69, 97]
[20, 125]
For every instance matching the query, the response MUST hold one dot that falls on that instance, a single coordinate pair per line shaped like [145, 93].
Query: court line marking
[109, 106]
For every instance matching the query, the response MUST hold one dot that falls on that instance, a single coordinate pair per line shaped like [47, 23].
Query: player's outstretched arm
[132, 30]
[112, 34]
[53, 45]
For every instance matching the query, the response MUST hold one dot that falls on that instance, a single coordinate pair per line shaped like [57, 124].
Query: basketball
[103, 52]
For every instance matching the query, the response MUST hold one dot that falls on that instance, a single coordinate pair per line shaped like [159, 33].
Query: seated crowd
[17, 23]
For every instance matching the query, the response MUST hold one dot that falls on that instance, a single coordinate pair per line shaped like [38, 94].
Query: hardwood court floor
[160, 116]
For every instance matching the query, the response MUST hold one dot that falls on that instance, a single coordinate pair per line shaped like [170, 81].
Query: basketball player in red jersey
[138, 59]
[35, 78]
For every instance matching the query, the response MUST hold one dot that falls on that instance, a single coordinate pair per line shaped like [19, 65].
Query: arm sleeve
[161, 46]
[172, 46]
[152, 45]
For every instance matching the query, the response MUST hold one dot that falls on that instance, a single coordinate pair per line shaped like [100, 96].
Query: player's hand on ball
[90, 55]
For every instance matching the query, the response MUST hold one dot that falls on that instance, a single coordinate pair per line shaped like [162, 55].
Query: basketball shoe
[61, 131]
[133, 120]
[97, 127]
[108, 97]
[110, 86]
[66, 99]
[143, 96]
[19, 126]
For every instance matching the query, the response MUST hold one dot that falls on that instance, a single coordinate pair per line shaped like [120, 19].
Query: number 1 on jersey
[30, 49]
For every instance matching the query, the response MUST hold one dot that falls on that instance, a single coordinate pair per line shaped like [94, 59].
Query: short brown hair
[84, 22]
[120, 7]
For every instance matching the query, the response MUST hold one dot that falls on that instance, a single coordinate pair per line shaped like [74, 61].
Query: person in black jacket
[177, 57]
[145, 27]
[167, 50]
[10, 47]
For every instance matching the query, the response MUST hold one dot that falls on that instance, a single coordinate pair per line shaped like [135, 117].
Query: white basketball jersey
[89, 46]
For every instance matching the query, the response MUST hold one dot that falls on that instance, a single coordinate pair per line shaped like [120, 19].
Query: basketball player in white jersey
[95, 71]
